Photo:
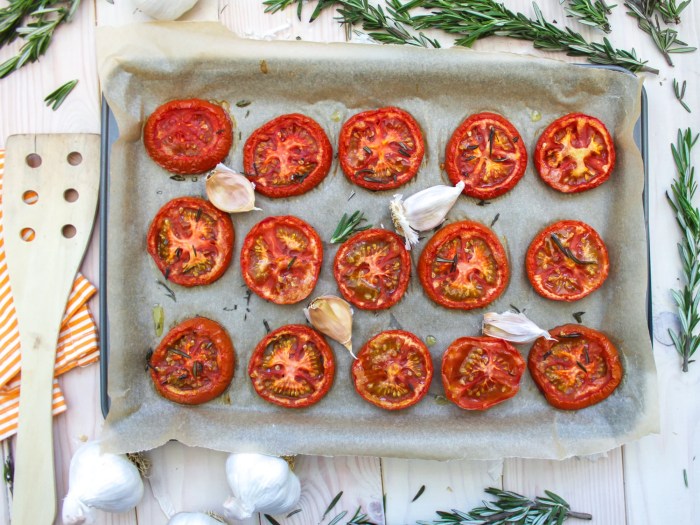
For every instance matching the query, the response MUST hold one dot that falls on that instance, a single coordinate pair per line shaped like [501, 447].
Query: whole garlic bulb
[193, 518]
[165, 9]
[106, 481]
[259, 484]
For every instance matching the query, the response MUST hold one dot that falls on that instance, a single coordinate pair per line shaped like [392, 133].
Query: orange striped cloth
[77, 340]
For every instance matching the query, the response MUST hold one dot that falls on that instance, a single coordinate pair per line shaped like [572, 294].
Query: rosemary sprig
[56, 98]
[42, 17]
[666, 40]
[511, 507]
[688, 218]
[360, 519]
[470, 20]
[679, 90]
[590, 12]
[349, 226]
[475, 19]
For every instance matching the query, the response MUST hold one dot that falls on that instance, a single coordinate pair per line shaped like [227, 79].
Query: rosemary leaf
[687, 298]
[332, 504]
[679, 91]
[511, 507]
[419, 493]
[56, 98]
[348, 226]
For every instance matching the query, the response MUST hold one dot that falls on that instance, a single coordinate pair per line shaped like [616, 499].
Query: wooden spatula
[49, 198]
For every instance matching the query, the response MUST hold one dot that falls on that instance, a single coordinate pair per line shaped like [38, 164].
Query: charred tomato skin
[575, 153]
[581, 368]
[298, 370]
[480, 372]
[488, 154]
[191, 241]
[556, 276]
[281, 259]
[464, 266]
[188, 136]
[194, 363]
[287, 156]
[393, 370]
[388, 269]
[381, 149]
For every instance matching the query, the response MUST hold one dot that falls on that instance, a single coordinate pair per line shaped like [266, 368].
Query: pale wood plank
[322, 478]
[590, 485]
[448, 485]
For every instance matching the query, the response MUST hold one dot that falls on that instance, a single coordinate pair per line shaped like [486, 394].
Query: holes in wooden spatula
[33, 160]
[71, 195]
[74, 158]
[30, 197]
[69, 231]
[27, 234]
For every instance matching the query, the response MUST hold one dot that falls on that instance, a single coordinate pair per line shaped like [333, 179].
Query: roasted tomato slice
[372, 269]
[381, 149]
[287, 156]
[188, 136]
[393, 370]
[480, 372]
[191, 241]
[463, 266]
[281, 259]
[193, 363]
[567, 261]
[579, 369]
[488, 154]
[575, 153]
[292, 367]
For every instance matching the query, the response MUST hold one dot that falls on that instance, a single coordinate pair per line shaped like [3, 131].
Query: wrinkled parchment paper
[144, 66]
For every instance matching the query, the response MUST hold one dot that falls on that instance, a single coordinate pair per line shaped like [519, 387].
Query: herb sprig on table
[34, 21]
[688, 218]
[590, 12]
[471, 20]
[512, 508]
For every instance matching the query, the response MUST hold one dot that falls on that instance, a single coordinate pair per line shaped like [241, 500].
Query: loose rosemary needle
[687, 298]
[56, 98]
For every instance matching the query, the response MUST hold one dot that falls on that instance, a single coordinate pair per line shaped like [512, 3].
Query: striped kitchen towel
[77, 340]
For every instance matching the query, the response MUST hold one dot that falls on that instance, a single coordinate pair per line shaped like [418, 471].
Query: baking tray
[110, 134]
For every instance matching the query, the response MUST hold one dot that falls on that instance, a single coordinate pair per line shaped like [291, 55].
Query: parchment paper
[144, 66]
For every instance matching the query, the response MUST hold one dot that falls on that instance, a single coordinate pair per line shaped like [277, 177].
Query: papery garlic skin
[332, 316]
[259, 483]
[165, 9]
[193, 518]
[108, 482]
[230, 191]
[423, 210]
[513, 327]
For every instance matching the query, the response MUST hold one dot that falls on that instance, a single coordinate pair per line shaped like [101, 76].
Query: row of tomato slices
[380, 149]
[463, 266]
[294, 367]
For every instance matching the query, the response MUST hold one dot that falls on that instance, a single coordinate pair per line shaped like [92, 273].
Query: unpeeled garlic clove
[108, 482]
[513, 327]
[332, 316]
[165, 9]
[229, 190]
[423, 210]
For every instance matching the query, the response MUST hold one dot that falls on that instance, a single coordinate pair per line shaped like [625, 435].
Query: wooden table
[640, 483]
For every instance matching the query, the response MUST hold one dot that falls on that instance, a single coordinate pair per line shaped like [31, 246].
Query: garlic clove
[194, 518]
[259, 483]
[108, 482]
[423, 210]
[165, 9]
[229, 190]
[332, 316]
[513, 327]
